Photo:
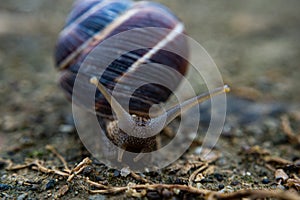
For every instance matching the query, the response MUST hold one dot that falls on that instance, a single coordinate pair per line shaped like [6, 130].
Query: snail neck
[132, 125]
[128, 141]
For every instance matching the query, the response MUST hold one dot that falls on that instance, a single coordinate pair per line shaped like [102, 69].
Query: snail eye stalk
[125, 120]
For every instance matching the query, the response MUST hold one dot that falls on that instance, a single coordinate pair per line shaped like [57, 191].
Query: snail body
[91, 23]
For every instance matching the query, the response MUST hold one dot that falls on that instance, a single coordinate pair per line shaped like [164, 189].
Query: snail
[90, 24]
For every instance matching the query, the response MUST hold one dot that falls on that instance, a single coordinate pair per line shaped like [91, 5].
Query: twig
[41, 168]
[98, 185]
[295, 177]
[194, 174]
[256, 194]
[54, 151]
[186, 188]
[71, 176]
[77, 169]
[83, 163]
[12, 167]
[139, 178]
[277, 160]
[8, 162]
[270, 167]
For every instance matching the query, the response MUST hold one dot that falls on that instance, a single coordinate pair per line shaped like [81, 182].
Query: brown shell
[88, 61]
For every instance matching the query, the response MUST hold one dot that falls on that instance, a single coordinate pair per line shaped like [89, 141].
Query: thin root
[194, 174]
[139, 178]
[54, 151]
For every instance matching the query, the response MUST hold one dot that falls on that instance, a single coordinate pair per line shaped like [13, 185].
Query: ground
[255, 47]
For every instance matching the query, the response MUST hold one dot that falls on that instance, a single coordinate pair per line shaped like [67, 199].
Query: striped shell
[91, 22]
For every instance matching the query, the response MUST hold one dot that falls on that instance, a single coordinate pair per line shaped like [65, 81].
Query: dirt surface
[254, 43]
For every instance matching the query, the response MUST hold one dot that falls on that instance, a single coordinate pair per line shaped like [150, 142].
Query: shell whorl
[93, 21]
[87, 19]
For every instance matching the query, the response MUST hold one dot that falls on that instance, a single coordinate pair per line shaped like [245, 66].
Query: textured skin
[129, 143]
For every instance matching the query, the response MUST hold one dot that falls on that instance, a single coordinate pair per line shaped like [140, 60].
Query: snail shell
[89, 26]
[94, 21]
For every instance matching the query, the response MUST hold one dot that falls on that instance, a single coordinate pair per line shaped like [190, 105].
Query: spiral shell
[91, 22]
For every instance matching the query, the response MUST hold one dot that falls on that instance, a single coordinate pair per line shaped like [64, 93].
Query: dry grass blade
[96, 184]
[277, 160]
[82, 164]
[60, 157]
[12, 167]
[287, 129]
[42, 168]
[185, 188]
[79, 168]
[194, 174]
[256, 194]
[139, 178]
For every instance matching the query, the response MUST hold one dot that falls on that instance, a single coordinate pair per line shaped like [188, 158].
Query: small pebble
[281, 187]
[227, 189]
[177, 191]
[2, 165]
[4, 177]
[280, 175]
[265, 181]
[167, 194]
[297, 163]
[34, 187]
[97, 197]
[50, 184]
[222, 161]
[234, 183]
[153, 195]
[20, 182]
[125, 171]
[221, 186]
[198, 150]
[99, 178]
[219, 177]
[4, 187]
[116, 173]
[274, 186]
[87, 170]
[22, 196]
[66, 128]
[206, 180]
[180, 181]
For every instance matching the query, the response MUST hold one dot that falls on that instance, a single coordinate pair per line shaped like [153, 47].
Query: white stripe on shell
[84, 16]
[99, 36]
[178, 29]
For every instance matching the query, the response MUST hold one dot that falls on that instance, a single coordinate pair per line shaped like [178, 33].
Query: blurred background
[254, 43]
